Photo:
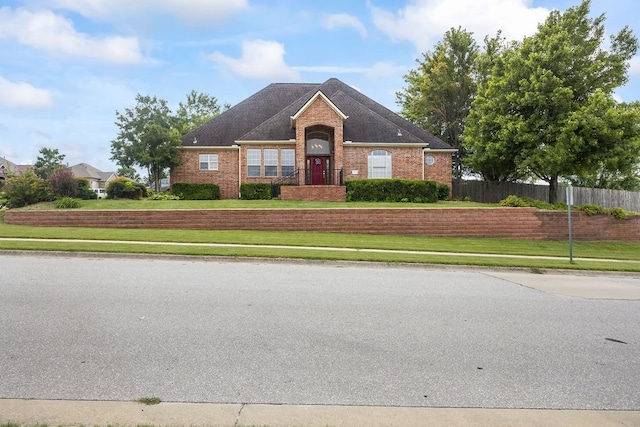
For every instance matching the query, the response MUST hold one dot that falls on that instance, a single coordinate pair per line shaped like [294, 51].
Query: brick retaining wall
[521, 223]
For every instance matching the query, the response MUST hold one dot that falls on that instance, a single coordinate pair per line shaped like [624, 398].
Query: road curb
[103, 413]
[297, 261]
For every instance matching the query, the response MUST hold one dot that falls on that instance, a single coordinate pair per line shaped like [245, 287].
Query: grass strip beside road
[290, 245]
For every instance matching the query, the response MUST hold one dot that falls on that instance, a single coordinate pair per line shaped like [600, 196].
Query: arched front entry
[319, 155]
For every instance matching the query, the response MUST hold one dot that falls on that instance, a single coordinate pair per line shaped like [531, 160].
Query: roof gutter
[387, 144]
[210, 147]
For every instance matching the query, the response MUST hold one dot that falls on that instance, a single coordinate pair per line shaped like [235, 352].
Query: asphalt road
[192, 330]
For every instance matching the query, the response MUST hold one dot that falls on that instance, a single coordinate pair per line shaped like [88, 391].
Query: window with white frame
[379, 164]
[208, 162]
[253, 162]
[270, 162]
[288, 159]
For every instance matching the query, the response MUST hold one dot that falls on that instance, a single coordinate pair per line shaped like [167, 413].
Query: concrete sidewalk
[594, 286]
[102, 413]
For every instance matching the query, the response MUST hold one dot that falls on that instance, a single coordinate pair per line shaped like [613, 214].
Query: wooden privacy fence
[493, 192]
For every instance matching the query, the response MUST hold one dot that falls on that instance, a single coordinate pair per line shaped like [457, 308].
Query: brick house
[315, 136]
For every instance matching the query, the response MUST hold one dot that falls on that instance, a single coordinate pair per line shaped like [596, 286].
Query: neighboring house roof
[10, 166]
[87, 171]
[268, 114]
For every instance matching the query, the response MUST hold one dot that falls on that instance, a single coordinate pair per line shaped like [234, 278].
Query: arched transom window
[379, 164]
[318, 143]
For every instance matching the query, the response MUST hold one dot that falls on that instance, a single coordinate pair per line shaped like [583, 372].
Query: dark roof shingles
[266, 115]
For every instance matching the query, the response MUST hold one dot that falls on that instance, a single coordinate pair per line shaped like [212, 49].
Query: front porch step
[314, 193]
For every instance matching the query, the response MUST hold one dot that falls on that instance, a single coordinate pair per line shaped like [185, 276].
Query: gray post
[569, 204]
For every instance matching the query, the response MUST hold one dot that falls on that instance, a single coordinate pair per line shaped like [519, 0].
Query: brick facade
[440, 170]
[226, 176]
[518, 223]
[407, 159]
[319, 113]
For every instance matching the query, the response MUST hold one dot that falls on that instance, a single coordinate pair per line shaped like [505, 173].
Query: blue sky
[66, 66]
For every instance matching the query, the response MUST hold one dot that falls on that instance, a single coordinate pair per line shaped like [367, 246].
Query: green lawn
[355, 243]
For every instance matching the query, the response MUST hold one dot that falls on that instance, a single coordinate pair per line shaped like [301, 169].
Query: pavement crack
[242, 405]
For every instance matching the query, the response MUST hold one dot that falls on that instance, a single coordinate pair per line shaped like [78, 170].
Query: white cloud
[376, 71]
[261, 59]
[423, 22]
[190, 11]
[55, 34]
[381, 70]
[23, 95]
[343, 20]
[330, 69]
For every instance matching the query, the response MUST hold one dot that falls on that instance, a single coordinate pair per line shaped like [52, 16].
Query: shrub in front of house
[591, 210]
[62, 182]
[26, 189]
[67, 203]
[443, 192]
[4, 202]
[255, 191]
[163, 195]
[527, 202]
[84, 190]
[123, 188]
[391, 190]
[193, 191]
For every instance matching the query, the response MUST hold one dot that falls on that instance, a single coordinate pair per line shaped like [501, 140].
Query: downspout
[424, 152]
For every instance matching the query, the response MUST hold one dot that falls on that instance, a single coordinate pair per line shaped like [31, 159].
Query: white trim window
[208, 162]
[270, 162]
[254, 161]
[379, 164]
[288, 157]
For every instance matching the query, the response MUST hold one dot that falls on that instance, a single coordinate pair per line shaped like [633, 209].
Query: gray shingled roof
[13, 167]
[85, 170]
[266, 116]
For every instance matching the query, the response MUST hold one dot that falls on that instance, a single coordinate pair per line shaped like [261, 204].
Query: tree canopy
[198, 109]
[440, 90]
[47, 162]
[548, 110]
[149, 133]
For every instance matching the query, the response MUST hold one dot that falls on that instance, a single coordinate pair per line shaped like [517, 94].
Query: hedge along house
[313, 137]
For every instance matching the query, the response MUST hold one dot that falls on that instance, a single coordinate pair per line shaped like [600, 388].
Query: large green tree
[149, 133]
[620, 169]
[440, 90]
[161, 144]
[47, 162]
[548, 108]
[133, 146]
[198, 109]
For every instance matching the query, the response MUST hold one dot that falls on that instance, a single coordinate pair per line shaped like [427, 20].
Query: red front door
[319, 170]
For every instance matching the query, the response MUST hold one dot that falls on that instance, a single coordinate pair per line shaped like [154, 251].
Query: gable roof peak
[316, 96]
